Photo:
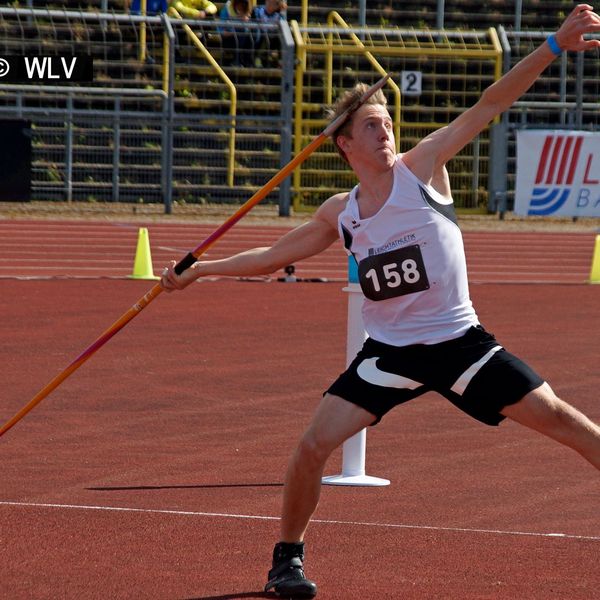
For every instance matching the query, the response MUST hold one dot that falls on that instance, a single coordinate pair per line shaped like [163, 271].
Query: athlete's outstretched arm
[434, 151]
[306, 240]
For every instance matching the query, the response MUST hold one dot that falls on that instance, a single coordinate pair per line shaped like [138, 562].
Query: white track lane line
[320, 521]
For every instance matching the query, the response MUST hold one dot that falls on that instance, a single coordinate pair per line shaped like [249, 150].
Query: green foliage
[54, 174]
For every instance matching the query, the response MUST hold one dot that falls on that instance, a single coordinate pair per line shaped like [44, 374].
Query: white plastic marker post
[354, 449]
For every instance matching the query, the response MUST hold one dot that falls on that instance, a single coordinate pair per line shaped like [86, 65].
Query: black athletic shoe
[286, 578]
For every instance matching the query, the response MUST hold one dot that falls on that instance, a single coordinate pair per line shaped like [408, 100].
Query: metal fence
[113, 153]
[452, 68]
[169, 119]
[565, 97]
[157, 123]
[436, 14]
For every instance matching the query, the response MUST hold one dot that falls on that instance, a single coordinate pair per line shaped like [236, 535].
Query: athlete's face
[371, 137]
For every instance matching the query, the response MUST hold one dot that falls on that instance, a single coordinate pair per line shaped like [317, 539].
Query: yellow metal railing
[230, 86]
[304, 14]
[298, 103]
[497, 49]
[166, 64]
[142, 49]
[455, 67]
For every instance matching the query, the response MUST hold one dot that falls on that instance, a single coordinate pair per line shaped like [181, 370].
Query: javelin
[188, 260]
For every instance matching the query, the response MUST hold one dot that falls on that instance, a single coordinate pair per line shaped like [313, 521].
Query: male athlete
[424, 334]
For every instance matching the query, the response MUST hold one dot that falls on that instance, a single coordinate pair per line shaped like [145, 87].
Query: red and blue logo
[555, 173]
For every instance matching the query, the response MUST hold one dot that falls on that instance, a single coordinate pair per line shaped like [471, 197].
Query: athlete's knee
[312, 452]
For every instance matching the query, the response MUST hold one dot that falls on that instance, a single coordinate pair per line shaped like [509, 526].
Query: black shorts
[473, 371]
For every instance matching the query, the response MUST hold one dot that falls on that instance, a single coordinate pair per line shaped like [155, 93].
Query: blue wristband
[556, 49]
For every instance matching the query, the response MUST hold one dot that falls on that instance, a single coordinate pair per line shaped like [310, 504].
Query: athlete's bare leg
[543, 411]
[334, 422]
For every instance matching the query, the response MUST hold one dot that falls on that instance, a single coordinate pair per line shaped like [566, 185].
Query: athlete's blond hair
[345, 101]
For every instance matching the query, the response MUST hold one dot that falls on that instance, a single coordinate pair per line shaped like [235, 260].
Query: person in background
[272, 12]
[153, 7]
[191, 9]
[237, 41]
[267, 46]
[195, 9]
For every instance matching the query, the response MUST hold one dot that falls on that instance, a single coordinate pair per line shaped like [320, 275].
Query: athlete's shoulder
[337, 201]
[332, 207]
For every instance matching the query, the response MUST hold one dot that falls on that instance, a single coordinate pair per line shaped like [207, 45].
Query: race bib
[393, 274]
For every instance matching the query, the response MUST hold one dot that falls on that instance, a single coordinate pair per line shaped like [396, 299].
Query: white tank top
[411, 264]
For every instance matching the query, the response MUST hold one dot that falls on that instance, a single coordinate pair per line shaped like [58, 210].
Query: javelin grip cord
[185, 263]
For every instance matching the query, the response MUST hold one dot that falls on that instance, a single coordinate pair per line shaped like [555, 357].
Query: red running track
[155, 471]
[48, 249]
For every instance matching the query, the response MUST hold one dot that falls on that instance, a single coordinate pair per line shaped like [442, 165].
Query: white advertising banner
[558, 173]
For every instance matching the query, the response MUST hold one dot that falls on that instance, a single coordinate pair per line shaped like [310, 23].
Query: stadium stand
[202, 127]
[457, 14]
[226, 123]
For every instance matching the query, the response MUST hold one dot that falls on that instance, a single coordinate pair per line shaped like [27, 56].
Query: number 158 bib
[393, 274]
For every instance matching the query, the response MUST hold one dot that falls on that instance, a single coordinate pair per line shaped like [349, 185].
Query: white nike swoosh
[460, 385]
[368, 371]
